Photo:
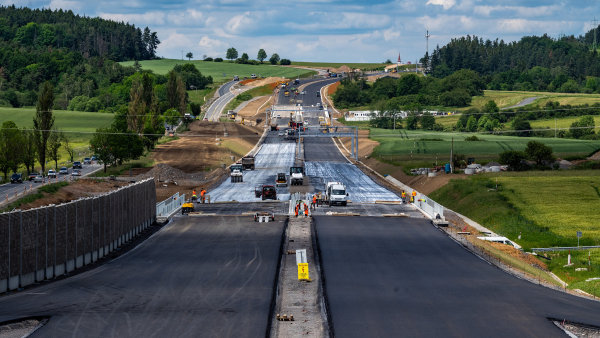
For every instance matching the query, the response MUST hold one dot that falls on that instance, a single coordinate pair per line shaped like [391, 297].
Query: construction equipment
[297, 175]
[286, 93]
[236, 173]
[281, 180]
[248, 162]
[264, 216]
[187, 207]
[265, 192]
[335, 193]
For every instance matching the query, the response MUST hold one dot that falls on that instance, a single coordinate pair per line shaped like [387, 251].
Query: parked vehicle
[77, 165]
[63, 171]
[16, 178]
[335, 193]
[52, 173]
[296, 175]
[281, 180]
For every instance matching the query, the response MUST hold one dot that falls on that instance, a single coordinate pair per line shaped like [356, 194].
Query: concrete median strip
[298, 305]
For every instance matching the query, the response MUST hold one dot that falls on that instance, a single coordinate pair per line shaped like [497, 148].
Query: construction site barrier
[433, 209]
[50, 241]
[168, 207]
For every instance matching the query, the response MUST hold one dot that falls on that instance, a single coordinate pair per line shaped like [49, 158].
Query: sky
[333, 30]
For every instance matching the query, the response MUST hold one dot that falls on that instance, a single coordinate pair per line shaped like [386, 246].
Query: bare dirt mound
[206, 145]
[75, 190]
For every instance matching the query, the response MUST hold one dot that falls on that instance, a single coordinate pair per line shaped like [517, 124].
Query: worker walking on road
[413, 197]
[403, 196]
[305, 210]
[297, 209]
[203, 195]
[194, 196]
[313, 205]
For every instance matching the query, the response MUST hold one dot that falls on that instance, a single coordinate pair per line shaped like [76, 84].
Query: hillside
[76, 54]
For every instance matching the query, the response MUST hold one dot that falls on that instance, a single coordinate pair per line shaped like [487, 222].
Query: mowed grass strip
[505, 99]
[223, 71]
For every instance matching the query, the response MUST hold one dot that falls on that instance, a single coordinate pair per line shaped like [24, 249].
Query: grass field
[417, 148]
[564, 122]
[363, 66]
[505, 99]
[222, 71]
[588, 259]
[77, 126]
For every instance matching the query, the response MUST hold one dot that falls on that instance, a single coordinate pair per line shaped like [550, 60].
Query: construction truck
[281, 180]
[265, 192]
[236, 174]
[296, 175]
[335, 193]
[297, 81]
[286, 93]
[248, 162]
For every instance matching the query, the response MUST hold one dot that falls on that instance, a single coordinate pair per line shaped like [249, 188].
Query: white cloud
[521, 11]
[447, 4]
[239, 23]
[142, 19]
[65, 4]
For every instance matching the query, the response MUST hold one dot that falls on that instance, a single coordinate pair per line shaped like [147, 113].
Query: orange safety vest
[314, 198]
[202, 193]
[403, 194]
[305, 210]
[414, 193]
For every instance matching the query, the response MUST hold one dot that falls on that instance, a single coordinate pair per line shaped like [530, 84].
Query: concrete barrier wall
[47, 242]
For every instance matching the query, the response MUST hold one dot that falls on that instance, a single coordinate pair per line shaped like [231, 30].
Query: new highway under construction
[217, 272]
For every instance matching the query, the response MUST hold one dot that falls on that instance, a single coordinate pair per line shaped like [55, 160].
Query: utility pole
[451, 156]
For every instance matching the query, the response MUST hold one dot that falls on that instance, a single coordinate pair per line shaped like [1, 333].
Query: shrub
[218, 60]
[208, 59]
[285, 62]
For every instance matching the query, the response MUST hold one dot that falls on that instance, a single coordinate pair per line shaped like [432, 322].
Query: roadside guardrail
[168, 207]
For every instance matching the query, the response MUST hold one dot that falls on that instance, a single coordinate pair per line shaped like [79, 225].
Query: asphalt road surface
[10, 189]
[213, 113]
[197, 277]
[275, 156]
[402, 277]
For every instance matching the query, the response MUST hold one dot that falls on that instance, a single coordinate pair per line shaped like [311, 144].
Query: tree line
[534, 63]
[78, 55]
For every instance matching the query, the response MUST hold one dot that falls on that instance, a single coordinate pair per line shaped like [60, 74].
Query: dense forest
[77, 54]
[533, 63]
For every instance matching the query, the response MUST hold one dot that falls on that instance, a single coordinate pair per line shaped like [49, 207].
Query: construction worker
[314, 202]
[403, 196]
[203, 195]
[305, 210]
[194, 196]
[414, 195]
[297, 209]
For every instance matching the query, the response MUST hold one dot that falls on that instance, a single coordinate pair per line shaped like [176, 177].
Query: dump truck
[265, 192]
[248, 162]
[236, 173]
[281, 180]
[297, 175]
[335, 193]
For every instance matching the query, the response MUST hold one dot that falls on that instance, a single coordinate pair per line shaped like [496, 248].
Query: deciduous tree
[261, 55]
[43, 121]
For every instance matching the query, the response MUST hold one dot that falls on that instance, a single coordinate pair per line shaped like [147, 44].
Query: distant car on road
[32, 175]
[51, 173]
[16, 178]
[77, 165]
[63, 171]
[87, 160]
[76, 172]
[94, 158]
[38, 179]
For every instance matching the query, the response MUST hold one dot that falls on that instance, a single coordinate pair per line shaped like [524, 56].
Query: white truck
[296, 175]
[335, 193]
